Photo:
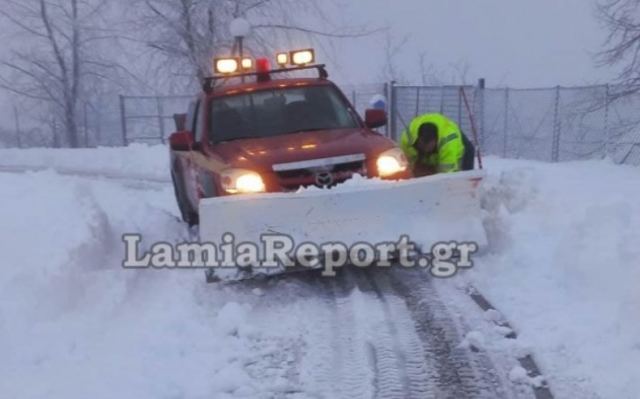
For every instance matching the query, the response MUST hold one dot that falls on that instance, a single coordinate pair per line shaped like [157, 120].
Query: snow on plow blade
[431, 209]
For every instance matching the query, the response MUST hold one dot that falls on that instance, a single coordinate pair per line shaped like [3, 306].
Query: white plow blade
[431, 209]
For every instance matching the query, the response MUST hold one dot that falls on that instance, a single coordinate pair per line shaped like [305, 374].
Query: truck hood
[262, 153]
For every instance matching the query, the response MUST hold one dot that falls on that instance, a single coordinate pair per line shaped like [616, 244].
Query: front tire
[188, 215]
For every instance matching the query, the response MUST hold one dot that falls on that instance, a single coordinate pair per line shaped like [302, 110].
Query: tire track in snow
[460, 373]
[386, 356]
[354, 373]
[405, 374]
[375, 334]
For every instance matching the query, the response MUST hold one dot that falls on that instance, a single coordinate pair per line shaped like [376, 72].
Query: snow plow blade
[431, 209]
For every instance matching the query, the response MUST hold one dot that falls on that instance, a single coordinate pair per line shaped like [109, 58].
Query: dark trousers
[469, 156]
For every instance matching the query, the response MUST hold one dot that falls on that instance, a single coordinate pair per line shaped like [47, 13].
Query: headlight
[239, 181]
[391, 162]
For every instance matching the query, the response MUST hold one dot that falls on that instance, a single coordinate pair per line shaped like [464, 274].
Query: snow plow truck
[264, 150]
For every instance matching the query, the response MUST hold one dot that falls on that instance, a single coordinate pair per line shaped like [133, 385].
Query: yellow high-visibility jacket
[448, 157]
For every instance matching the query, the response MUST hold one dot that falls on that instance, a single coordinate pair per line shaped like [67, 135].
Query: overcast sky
[520, 43]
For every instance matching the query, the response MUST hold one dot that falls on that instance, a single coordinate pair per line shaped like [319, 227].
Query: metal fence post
[393, 110]
[160, 118]
[56, 137]
[16, 116]
[385, 90]
[86, 125]
[555, 147]
[460, 106]
[98, 126]
[505, 125]
[123, 120]
[607, 131]
[479, 107]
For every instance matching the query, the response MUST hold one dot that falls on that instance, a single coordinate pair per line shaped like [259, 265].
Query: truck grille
[326, 172]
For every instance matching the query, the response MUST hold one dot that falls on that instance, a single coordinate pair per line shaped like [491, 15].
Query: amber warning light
[235, 65]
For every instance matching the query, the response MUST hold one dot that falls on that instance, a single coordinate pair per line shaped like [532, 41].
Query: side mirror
[374, 118]
[180, 121]
[181, 141]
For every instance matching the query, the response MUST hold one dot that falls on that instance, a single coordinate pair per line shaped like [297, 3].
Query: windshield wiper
[274, 135]
[307, 130]
[236, 138]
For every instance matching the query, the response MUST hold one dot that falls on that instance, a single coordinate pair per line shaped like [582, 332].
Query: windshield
[279, 111]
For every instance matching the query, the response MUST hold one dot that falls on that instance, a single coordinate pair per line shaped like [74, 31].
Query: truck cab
[261, 130]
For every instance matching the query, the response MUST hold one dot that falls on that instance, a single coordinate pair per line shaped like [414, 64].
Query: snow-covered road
[70, 315]
[366, 334]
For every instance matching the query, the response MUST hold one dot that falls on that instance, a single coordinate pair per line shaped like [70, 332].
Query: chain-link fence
[407, 102]
[35, 125]
[150, 118]
[360, 96]
[549, 124]
[552, 124]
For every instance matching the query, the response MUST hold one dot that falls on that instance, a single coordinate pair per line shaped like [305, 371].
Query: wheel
[188, 215]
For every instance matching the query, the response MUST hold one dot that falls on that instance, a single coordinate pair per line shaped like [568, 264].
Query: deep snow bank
[565, 269]
[74, 324]
[135, 161]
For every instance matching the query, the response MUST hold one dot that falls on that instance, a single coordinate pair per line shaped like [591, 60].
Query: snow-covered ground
[563, 268]
[74, 324]
[149, 162]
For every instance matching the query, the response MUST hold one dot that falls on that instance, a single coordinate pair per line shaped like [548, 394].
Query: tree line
[67, 57]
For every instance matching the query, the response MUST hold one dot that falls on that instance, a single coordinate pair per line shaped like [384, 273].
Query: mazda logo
[324, 179]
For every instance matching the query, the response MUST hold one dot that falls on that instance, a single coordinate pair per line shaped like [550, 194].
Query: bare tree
[457, 73]
[188, 33]
[392, 50]
[56, 61]
[429, 75]
[460, 72]
[622, 47]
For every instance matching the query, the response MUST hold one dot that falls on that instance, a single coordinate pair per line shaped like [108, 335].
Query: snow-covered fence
[548, 124]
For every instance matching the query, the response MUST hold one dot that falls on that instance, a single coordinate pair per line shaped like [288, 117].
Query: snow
[519, 375]
[562, 269]
[138, 160]
[474, 339]
[74, 324]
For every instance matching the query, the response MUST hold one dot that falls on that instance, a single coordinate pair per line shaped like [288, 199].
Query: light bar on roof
[303, 57]
[247, 64]
[226, 65]
[282, 59]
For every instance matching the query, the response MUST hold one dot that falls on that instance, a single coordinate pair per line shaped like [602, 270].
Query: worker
[434, 144]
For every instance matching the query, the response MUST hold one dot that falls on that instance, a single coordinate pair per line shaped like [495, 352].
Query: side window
[199, 123]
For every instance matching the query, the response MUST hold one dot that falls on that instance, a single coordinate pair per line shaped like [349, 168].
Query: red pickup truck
[264, 130]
